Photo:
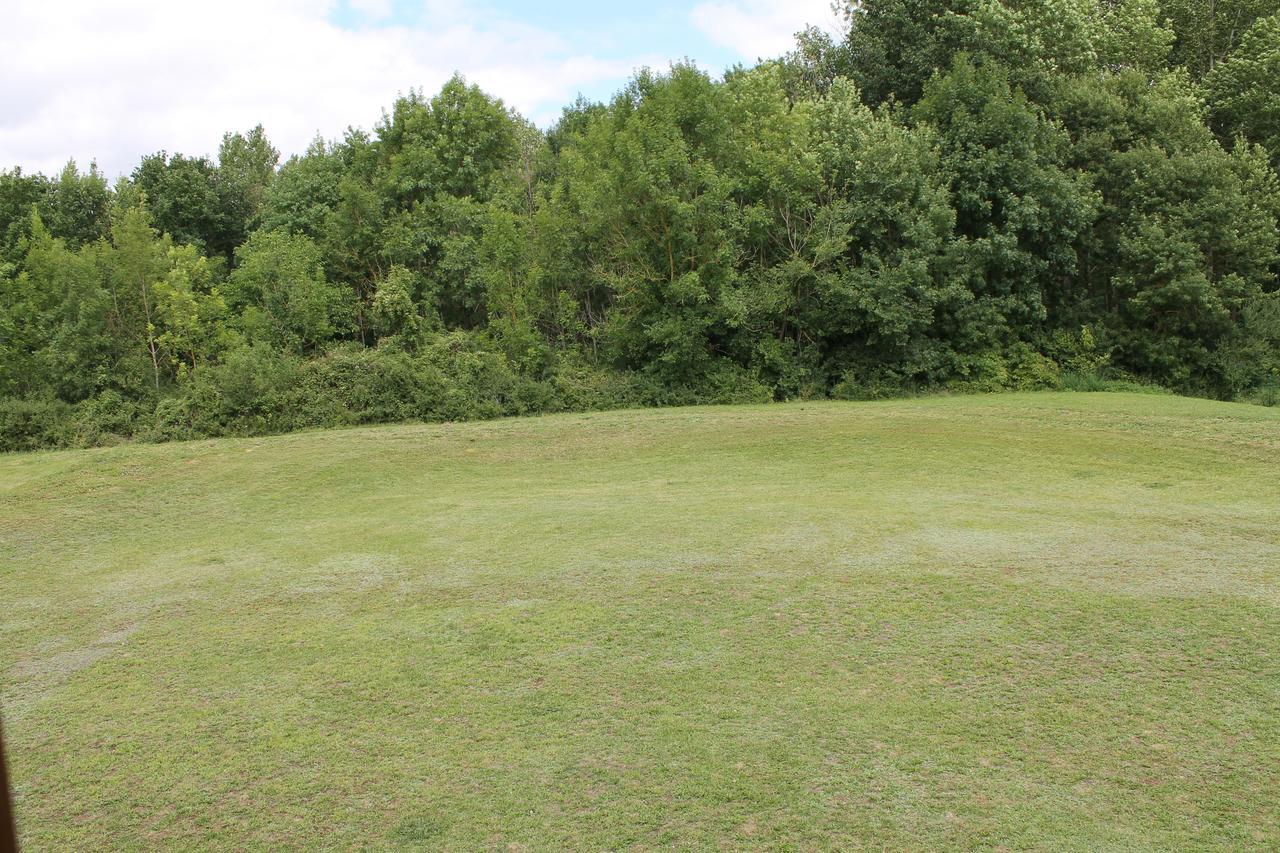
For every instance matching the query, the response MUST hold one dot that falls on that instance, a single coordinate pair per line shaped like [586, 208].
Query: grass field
[1047, 621]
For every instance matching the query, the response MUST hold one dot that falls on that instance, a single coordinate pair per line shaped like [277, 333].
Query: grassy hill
[1030, 620]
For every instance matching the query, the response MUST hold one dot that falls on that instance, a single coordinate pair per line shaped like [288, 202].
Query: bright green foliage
[55, 314]
[117, 315]
[393, 310]
[247, 164]
[190, 310]
[77, 206]
[138, 262]
[280, 290]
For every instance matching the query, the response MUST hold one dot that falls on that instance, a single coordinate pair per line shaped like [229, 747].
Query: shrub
[1030, 370]
[1093, 382]
[34, 424]
[582, 387]
[362, 386]
[1267, 395]
[108, 418]
[1078, 352]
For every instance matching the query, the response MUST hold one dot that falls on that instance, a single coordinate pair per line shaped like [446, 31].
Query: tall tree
[182, 194]
[138, 260]
[1245, 88]
[77, 207]
[280, 290]
[246, 167]
[1209, 30]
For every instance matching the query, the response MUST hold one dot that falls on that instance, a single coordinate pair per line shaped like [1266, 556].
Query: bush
[1030, 370]
[256, 390]
[852, 387]
[582, 387]
[982, 372]
[474, 382]
[1267, 395]
[1119, 383]
[1078, 352]
[34, 424]
[108, 418]
[362, 386]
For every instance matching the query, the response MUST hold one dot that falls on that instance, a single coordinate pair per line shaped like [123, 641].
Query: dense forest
[958, 194]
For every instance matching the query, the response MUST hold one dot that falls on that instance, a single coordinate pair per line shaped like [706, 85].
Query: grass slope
[1027, 620]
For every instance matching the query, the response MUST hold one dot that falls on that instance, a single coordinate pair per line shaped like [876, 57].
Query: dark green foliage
[182, 195]
[1020, 212]
[1245, 89]
[897, 45]
[961, 194]
[1186, 236]
[30, 424]
[246, 170]
[19, 195]
[1209, 31]
[209, 206]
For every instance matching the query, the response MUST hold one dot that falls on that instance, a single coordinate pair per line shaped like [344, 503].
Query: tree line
[958, 194]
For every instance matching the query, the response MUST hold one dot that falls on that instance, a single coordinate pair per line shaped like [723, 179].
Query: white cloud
[376, 9]
[113, 81]
[756, 29]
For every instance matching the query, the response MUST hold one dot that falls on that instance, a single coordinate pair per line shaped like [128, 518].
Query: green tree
[883, 299]
[19, 195]
[190, 311]
[246, 168]
[644, 178]
[460, 142]
[305, 191]
[896, 46]
[281, 293]
[182, 194]
[1020, 209]
[437, 163]
[1245, 88]
[1208, 31]
[1186, 235]
[56, 315]
[77, 207]
[137, 260]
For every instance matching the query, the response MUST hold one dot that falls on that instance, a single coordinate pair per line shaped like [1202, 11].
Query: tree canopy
[964, 194]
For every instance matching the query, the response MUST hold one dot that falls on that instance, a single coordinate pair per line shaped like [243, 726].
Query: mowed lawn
[1029, 621]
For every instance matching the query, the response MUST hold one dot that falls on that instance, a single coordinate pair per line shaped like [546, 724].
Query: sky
[112, 81]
